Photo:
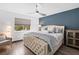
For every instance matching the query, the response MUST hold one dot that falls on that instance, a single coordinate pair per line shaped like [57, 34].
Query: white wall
[34, 24]
[7, 19]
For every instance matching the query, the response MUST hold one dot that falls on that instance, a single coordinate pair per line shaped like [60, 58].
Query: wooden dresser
[72, 38]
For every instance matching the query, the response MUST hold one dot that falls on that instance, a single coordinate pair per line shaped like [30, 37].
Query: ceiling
[29, 8]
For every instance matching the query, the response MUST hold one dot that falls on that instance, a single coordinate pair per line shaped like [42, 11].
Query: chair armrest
[8, 38]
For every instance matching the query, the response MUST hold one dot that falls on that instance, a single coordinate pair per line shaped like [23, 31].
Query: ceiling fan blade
[37, 11]
[42, 14]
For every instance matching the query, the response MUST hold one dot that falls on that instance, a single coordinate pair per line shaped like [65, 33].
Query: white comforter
[53, 39]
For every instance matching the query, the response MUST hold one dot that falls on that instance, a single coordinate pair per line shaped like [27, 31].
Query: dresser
[72, 38]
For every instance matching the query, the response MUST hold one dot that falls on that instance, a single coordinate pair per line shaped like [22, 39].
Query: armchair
[4, 40]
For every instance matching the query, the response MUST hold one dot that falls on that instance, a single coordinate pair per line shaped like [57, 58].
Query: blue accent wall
[70, 19]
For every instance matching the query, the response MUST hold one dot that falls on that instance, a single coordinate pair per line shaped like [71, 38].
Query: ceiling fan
[37, 11]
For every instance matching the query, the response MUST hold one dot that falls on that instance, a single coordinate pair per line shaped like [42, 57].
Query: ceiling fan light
[37, 11]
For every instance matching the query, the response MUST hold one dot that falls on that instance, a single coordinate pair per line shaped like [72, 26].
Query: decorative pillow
[51, 29]
[44, 28]
[50, 32]
[58, 30]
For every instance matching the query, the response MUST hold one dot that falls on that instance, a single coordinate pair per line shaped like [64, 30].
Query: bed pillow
[59, 30]
[51, 29]
[44, 28]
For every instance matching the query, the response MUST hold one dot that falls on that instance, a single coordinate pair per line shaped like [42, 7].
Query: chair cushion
[2, 38]
[4, 42]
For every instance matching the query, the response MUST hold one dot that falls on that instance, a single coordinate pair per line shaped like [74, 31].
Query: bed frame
[38, 46]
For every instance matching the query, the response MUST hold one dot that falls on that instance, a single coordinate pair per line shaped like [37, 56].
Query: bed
[45, 42]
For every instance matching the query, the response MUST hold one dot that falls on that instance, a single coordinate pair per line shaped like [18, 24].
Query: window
[22, 24]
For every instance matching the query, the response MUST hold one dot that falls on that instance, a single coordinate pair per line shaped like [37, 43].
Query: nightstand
[72, 38]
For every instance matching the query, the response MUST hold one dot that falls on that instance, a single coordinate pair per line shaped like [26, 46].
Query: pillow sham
[58, 30]
[51, 29]
[44, 28]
